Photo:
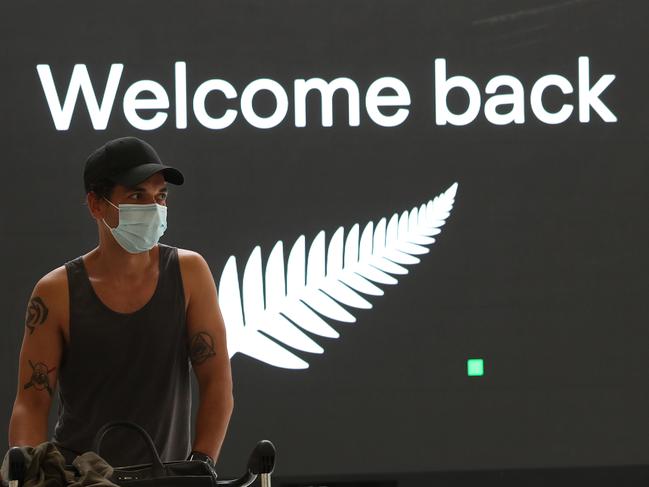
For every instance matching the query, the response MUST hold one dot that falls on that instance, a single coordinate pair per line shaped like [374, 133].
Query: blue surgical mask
[140, 226]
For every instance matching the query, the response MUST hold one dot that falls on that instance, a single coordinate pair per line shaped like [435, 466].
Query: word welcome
[500, 108]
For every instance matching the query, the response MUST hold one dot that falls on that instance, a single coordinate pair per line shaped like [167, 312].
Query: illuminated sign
[387, 91]
[283, 304]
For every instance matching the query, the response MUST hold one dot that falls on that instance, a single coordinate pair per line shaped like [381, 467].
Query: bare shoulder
[194, 270]
[186, 253]
[54, 283]
[49, 298]
[191, 260]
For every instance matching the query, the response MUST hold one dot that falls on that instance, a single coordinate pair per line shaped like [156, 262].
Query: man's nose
[149, 199]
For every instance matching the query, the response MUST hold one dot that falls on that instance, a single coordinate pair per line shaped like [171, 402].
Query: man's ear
[94, 204]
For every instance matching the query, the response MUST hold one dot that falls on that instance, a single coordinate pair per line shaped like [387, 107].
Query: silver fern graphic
[282, 303]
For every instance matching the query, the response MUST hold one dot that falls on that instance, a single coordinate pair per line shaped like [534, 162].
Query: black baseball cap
[127, 161]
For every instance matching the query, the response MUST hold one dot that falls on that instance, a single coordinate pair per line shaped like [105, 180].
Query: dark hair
[102, 188]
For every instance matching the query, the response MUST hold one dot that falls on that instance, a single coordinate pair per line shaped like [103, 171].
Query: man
[119, 328]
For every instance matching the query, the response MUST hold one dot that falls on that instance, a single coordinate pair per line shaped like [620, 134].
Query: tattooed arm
[38, 364]
[208, 354]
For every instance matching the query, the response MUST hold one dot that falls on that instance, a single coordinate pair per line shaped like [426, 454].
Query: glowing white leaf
[272, 315]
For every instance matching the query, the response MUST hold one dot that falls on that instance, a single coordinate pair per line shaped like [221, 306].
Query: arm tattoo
[201, 347]
[40, 381]
[36, 313]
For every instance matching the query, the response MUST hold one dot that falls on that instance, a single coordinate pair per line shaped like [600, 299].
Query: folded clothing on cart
[45, 467]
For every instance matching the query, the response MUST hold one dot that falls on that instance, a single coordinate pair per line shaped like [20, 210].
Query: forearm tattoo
[36, 313]
[201, 347]
[40, 381]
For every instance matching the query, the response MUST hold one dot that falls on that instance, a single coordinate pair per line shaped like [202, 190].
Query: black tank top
[126, 366]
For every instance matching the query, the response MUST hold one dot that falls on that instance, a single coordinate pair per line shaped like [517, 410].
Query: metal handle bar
[260, 463]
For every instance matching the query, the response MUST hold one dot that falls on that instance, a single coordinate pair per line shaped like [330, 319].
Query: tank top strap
[171, 283]
[79, 287]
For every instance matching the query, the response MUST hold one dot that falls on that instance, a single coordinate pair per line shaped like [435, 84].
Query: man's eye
[163, 196]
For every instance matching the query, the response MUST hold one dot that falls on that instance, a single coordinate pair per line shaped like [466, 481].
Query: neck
[113, 259]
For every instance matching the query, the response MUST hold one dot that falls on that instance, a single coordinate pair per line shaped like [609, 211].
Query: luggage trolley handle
[260, 463]
[156, 463]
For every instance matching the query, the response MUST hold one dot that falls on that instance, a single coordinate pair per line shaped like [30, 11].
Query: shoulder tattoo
[36, 313]
[201, 347]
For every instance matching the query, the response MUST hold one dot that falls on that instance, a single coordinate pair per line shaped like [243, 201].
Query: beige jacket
[46, 468]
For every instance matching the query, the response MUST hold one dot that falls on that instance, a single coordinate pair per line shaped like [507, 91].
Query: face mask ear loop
[112, 203]
[107, 225]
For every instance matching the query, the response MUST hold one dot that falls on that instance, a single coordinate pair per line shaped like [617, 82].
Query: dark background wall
[540, 270]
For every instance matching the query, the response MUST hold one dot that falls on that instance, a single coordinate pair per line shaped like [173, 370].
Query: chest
[126, 297]
[122, 297]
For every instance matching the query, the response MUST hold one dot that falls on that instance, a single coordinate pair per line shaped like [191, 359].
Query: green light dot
[475, 367]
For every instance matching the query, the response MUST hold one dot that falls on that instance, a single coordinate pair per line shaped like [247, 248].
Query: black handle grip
[17, 465]
[261, 461]
[262, 458]
[156, 464]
